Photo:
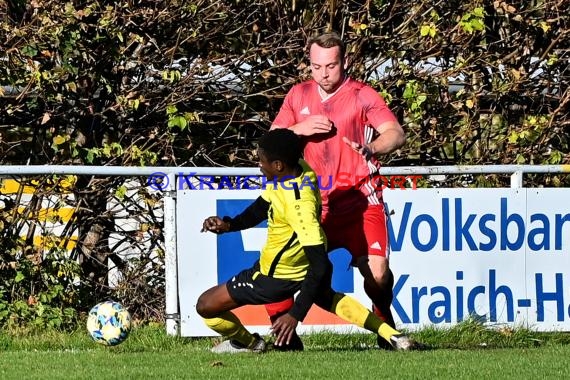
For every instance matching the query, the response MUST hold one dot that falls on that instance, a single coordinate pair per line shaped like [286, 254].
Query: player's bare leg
[214, 306]
[378, 284]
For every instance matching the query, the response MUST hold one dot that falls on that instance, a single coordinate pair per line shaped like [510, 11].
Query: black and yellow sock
[229, 325]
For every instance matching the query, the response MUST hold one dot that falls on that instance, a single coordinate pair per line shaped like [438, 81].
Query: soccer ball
[109, 323]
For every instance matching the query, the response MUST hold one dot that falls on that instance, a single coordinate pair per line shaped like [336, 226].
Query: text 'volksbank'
[453, 229]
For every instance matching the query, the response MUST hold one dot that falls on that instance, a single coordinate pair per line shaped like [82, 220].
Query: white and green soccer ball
[109, 323]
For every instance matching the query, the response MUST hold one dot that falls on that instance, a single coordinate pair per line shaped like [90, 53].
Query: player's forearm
[388, 141]
[318, 277]
[295, 128]
[299, 129]
[250, 217]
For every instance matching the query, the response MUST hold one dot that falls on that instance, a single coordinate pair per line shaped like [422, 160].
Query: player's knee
[379, 281]
[386, 279]
[203, 307]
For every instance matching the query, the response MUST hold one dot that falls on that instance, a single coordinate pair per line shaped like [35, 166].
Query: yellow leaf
[59, 139]
[363, 26]
[516, 74]
[68, 181]
[71, 86]
[357, 25]
[432, 31]
[545, 27]
[469, 103]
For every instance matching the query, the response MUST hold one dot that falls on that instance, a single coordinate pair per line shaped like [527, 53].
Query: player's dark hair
[328, 40]
[281, 144]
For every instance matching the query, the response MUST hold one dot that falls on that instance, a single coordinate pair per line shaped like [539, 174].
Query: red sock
[274, 310]
[378, 313]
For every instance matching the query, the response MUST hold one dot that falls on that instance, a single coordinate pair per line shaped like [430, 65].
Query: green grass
[467, 351]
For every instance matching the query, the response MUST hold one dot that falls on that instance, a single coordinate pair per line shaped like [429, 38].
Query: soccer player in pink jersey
[344, 125]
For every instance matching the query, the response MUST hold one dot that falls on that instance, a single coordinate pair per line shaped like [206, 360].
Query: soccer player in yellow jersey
[293, 259]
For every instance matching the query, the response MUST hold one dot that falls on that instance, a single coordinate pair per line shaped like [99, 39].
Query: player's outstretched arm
[250, 217]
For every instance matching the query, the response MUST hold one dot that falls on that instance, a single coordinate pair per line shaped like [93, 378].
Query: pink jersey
[355, 109]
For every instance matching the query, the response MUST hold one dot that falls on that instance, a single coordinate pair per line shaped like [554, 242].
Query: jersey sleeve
[286, 116]
[376, 110]
[254, 214]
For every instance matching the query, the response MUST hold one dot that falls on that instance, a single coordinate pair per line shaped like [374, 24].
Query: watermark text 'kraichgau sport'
[344, 181]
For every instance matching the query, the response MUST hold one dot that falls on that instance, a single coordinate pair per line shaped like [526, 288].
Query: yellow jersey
[293, 221]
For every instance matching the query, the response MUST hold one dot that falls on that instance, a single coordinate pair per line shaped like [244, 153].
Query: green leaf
[479, 12]
[424, 30]
[171, 109]
[90, 156]
[468, 27]
[177, 121]
[121, 192]
[478, 24]
[410, 90]
[29, 50]
[19, 277]
[116, 149]
[555, 157]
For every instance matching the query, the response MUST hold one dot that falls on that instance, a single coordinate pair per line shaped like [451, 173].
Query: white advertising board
[499, 255]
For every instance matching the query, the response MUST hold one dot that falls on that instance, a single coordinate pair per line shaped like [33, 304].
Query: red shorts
[361, 233]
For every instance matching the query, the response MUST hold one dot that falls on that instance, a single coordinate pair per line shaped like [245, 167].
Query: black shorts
[250, 287]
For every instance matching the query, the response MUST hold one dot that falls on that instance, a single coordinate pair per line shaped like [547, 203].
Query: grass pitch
[467, 351]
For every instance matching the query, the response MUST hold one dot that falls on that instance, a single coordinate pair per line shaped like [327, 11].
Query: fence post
[517, 179]
[172, 313]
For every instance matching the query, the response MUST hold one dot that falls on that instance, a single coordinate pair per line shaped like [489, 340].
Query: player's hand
[283, 329]
[215, 224]
[314, 124]
[363, 150]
